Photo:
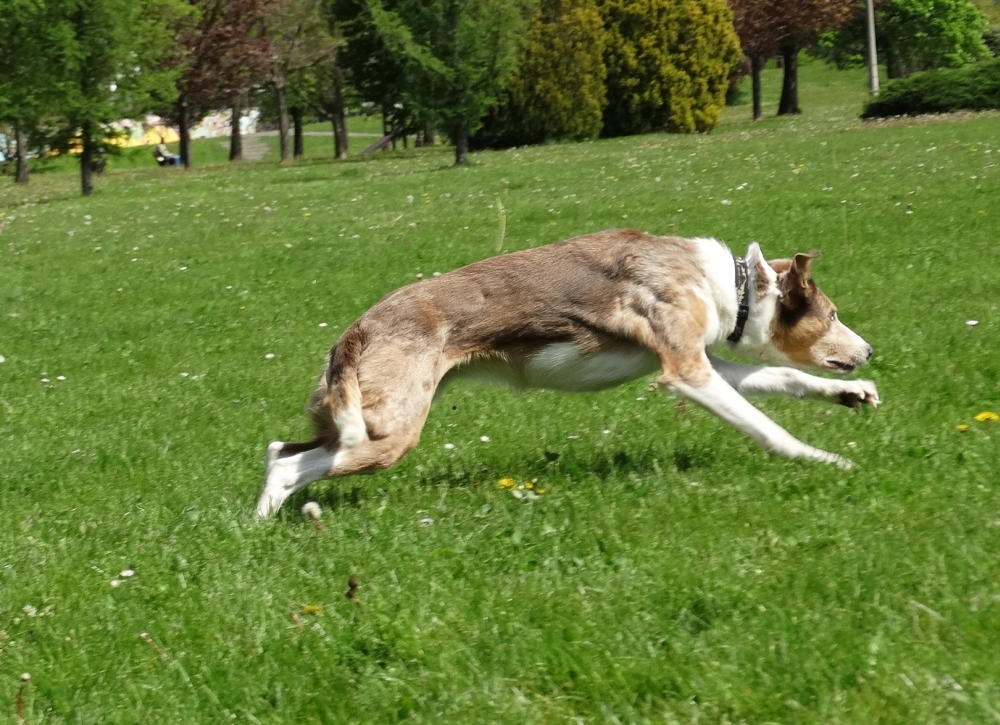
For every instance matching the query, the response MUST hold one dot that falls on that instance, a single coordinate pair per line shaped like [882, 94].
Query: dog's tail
[335, 407]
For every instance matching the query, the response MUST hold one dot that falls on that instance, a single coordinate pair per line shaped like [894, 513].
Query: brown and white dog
[585, 314]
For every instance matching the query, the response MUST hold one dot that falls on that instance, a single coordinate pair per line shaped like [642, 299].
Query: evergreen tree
[106, 66]
[558, 90]
[456, 56]
[668, 64]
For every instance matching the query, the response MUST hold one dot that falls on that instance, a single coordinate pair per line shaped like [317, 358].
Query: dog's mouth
[838, 366]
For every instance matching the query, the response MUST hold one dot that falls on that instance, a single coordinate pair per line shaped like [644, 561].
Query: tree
[558, 90]
[106, 66]
[28, 79]
[456, 56]
[787, 27]
[299, 31]
[913, 35]
[668, 64]
[220, 51]
[751, 21]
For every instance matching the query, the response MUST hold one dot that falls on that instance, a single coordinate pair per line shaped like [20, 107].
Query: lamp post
[872, 54]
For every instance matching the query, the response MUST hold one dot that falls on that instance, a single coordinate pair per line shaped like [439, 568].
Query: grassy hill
[157, 335]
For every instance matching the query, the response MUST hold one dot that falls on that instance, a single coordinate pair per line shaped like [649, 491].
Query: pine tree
[668, 64]
[558, 91]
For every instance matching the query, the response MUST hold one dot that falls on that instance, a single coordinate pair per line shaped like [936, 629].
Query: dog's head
[805, 328]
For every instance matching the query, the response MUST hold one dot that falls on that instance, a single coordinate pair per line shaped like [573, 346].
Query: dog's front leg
[720, 398]
[762, 380]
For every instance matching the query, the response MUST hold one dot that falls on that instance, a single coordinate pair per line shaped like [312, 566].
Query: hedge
[972, 88]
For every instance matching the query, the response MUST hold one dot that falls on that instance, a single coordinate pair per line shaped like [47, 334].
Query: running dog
[585, 314]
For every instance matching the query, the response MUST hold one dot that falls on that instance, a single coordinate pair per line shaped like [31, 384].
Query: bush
[558, 89]
[668, 64]
[972, 88]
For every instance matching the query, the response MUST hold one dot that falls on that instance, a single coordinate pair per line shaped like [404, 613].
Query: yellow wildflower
[963, 427]
[988, 416]
[506, 483]
[312, 609]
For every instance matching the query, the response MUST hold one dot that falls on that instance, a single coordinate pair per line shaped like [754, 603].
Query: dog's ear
[795, 281]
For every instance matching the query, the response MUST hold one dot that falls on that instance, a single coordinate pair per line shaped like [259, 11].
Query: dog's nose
[868, 354]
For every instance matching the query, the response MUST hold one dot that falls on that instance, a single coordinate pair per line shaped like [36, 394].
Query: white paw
[854, 393]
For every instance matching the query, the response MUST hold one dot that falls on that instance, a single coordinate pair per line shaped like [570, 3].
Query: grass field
[157, 335]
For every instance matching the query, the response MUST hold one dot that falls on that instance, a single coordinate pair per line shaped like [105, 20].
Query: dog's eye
[833, 315]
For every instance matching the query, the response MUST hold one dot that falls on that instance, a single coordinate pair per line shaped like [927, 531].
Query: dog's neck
[762, 301]
[742, 298]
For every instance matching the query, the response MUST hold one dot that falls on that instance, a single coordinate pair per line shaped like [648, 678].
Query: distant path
[253, 149]
[315, 133]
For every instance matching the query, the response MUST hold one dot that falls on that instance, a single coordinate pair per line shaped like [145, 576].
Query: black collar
[742, 298]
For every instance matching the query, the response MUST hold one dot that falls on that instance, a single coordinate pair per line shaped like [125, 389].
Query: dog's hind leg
[290, 466]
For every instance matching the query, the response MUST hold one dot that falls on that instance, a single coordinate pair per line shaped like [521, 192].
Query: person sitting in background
[163, 156]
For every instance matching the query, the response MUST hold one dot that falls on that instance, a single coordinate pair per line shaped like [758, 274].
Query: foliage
[668, 64]
[992, 40]
[973, 87]
[451, 58]
[558, 91]
[912, 35]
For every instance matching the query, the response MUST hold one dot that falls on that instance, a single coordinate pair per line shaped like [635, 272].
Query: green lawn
[671, 572]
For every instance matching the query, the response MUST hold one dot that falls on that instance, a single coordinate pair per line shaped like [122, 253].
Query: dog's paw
[855, 393]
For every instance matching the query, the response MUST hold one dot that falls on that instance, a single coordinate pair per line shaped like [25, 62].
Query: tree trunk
[338, 116]
[279, 89]
[790, 81]
[756, 65]
[429, 134]
[184, 133]
[236, 133]
[462, 143]
[21, 175]
[297, 133]
[86, 157]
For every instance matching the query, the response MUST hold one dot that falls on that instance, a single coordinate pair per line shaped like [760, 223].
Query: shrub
[972, 88]
[668, 64]
[558, 89]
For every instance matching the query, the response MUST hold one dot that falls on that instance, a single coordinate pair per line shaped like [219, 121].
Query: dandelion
[311, 510]
[507, 483]
[988, 416]
[962, 427]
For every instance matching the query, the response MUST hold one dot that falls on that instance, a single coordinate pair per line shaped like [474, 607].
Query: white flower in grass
[322, 324]
[183, 269]
[970, 323]
[126, 573]
[484, 439]
[409, 198]
[312, 510]
[449, 446]
[2, 359]
[269, 356]
[115, 583]
[30, 610]
[427, 522]
[726, 202]
[46, 381]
